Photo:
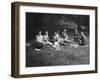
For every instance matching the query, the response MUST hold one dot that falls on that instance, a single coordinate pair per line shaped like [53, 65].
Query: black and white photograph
[57, 39]
[51, 39]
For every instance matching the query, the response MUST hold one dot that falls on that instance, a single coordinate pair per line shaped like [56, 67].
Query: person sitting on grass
[46, 39]
[39, 41]
[76, 39]
[56, 38]
[80, 40]
[65, 37]
[83, 39]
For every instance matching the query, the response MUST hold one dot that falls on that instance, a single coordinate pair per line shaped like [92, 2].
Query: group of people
[58, 40]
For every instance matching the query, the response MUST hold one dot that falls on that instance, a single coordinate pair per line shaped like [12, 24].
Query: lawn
[50, 57]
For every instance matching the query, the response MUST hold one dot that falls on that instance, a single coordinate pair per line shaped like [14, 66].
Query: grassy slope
[48, 57]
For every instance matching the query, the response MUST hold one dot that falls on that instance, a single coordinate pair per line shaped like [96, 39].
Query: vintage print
[57, 39]
[52, 39]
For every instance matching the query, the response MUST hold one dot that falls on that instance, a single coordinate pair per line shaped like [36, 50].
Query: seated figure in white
[39, 41]
[46, 39]
[39, 37]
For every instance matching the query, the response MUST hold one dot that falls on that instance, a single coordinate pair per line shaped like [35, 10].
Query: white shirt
[39, 38]
[56, 37]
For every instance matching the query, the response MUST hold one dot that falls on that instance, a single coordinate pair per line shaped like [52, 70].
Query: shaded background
[54, 22]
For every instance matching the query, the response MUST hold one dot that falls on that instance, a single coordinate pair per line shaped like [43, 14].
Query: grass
[51, 57]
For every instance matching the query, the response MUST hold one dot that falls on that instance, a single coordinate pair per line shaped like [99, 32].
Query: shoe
[38, 49]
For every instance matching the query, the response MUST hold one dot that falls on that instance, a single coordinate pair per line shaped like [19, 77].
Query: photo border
[15, 69]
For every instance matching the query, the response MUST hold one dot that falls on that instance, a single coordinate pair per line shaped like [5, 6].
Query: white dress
[39, 38]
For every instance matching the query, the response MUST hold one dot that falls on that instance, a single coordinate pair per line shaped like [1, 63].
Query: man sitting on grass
[83, 39]
[79, 40]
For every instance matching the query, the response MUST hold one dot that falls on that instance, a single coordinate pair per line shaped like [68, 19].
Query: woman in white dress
[39, 37]
[39, 41]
